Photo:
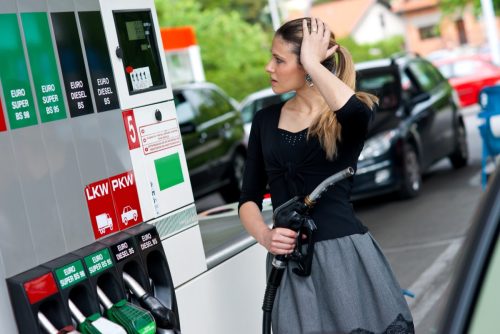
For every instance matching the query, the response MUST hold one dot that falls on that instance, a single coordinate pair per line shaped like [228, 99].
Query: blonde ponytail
[326, 127]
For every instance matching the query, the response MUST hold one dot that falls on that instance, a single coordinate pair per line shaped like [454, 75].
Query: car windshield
[249, 110]
[384, 85]
[461, 68]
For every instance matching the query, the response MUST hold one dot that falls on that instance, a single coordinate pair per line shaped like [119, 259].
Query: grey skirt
[351, 289]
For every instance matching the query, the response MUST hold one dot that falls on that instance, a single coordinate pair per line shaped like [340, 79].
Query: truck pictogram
[104, 222]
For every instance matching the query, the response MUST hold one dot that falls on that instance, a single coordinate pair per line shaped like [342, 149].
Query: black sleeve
[254, 177]
[354, 116]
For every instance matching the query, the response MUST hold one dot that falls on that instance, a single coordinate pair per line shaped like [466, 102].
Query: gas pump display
[139, 51]
[96, 49]
[72, 65]
[43, 66]
[14, 75]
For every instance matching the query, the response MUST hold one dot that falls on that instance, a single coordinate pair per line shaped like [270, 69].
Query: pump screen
[140, 56]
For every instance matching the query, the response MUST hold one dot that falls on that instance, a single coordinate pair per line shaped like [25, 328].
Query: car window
[426, 74]
[383, 85]
[466, 68]
[208, 102]
[185, 112]
[446, 70]
[248, 112]
[485, 314]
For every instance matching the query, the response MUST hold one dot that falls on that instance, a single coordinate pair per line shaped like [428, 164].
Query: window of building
[428, 32]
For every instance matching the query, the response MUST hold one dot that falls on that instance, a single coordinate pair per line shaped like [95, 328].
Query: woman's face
[285, 71]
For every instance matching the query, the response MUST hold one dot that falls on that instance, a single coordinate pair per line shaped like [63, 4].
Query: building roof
[341, 16]
[404, 6]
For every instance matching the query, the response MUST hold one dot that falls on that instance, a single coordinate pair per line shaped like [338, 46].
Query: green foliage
[450, 6]
[234, 52]
[382, 49]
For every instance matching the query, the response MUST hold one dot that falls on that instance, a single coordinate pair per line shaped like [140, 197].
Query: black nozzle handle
[104, 299]
[164, 317]
[75, 312]
[46, 324]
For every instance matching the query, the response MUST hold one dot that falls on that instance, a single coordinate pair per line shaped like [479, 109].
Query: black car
[212, 135]
[417, 123]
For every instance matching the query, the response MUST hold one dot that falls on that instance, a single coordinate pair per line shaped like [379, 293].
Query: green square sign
[70, 274]
[14, 75]
[43, 66]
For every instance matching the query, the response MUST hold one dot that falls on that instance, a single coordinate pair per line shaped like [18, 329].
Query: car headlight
[377, 145]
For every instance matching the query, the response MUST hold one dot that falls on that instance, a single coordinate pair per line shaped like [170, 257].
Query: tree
[234, 52]
[450, 6]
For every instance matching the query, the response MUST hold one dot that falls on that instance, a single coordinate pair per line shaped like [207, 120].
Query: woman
[294, 146]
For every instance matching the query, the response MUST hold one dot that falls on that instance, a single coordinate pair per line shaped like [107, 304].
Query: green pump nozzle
[133, 319]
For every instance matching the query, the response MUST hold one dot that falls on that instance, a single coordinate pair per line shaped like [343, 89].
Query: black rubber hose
[273, 283]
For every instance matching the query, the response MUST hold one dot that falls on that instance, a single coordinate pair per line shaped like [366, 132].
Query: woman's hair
[326, 126]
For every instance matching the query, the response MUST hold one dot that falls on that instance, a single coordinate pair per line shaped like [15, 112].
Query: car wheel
[412, 178]
[460, 155]
[231, 192]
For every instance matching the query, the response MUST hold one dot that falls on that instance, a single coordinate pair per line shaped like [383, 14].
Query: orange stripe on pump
[178, 37]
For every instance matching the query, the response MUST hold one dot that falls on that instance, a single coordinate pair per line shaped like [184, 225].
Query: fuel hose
[280, 262]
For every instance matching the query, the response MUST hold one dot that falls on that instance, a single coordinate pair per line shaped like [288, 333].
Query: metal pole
[491, 30]
[275, 16]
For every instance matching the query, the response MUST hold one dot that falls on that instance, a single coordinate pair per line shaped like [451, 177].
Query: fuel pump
[50, 329]
[134, 319]
[95, 323]
[294, 214]
[164, 317]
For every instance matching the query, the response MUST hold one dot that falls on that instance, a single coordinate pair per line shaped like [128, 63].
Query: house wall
[449, 36]
[370, 29]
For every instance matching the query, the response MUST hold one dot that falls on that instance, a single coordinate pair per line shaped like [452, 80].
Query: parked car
[469, 74]
[416, 124]
[473, 301]
[257, 101]
[212, 135]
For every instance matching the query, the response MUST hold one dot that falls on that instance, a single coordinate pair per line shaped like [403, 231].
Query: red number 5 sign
[131, 129]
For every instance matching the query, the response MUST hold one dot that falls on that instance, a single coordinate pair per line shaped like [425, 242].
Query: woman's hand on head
[279, 241]
[315, 43]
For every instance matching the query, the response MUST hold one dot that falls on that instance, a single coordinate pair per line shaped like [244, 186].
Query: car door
[215, 129]
[433, 114]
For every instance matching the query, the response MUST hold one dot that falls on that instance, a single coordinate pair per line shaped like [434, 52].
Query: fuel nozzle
[95, 323]
[165, 318]
[51, 329]
[132, 318]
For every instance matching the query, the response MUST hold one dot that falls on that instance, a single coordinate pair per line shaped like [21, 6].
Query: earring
[309, 80]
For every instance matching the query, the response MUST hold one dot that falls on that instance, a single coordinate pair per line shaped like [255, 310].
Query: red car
[468, 75]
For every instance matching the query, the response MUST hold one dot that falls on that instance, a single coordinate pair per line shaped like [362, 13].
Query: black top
[293, 165]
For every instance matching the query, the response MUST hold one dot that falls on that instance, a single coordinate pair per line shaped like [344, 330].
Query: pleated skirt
[351, 290]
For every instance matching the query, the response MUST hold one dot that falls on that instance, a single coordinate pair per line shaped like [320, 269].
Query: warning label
[160, 136]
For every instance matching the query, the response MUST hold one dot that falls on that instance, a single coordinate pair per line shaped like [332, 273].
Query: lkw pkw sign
[113, 204]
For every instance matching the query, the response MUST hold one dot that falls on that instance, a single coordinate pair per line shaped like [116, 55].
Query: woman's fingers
[282, 241]
[331, 51]
[305, 28]
[314, 25]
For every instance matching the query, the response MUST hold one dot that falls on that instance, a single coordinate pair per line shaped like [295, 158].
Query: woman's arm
[277, 241]
[314, 50]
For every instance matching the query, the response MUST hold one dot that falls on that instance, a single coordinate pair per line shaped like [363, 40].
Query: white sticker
[103, 325]
[141, 78]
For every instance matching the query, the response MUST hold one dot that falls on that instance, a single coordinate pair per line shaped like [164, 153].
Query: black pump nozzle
[165, 318]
